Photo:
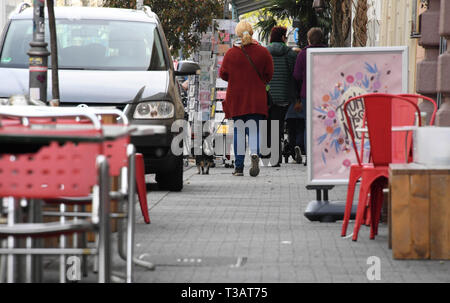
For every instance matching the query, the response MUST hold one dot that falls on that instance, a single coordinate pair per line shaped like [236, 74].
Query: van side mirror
[186, 68]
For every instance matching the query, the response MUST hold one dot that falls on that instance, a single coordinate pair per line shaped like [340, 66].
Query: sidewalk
[228, 229]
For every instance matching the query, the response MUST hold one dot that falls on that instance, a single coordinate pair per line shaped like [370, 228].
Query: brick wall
[433, 72]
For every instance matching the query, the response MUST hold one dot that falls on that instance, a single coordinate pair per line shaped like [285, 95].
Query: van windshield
[90, 44]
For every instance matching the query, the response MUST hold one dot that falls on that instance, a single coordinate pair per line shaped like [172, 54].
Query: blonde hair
[244, 31]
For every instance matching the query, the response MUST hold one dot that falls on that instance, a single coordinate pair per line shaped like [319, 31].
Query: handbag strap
[253, 65]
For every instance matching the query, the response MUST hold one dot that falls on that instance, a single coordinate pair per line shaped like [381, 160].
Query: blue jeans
[239, 138]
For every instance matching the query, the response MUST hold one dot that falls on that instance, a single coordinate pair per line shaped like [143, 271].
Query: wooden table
[419, 211]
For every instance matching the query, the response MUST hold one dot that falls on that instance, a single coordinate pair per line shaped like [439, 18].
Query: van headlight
[154, 110]
[4, 101]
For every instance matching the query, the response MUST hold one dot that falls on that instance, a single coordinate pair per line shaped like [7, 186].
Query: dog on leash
[206, 159]
[204, 162]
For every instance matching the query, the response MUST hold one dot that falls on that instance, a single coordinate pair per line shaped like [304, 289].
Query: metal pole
[38, 54]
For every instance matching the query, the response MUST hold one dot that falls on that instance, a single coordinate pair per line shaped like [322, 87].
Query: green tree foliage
[183, 20]
[300, 10]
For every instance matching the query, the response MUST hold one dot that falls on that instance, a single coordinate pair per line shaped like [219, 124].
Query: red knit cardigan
[246, 93]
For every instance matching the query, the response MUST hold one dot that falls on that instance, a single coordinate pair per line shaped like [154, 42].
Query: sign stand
[356, 71]
[322, 209]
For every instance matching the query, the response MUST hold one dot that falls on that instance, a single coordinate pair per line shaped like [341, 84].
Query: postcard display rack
[207, 90]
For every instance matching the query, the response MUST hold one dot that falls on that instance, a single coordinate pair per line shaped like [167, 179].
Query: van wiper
[73, 68]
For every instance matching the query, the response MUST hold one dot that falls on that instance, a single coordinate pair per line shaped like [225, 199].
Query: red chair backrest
[116, 153]
[415, 98]
[114, 150]
[54, 171]
[352, 125]
[383, 111]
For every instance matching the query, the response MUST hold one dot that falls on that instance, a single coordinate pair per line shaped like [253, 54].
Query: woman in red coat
[246, 97]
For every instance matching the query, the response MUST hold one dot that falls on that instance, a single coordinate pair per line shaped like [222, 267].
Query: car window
[91, 44]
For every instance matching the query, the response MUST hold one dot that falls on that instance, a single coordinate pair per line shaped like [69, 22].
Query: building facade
[433, 72]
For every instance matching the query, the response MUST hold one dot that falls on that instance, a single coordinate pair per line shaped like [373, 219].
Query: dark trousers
[297, 137]
[276, 113]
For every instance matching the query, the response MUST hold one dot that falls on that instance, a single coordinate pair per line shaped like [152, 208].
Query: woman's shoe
[254, 170]
[298, 155]
[238, 172]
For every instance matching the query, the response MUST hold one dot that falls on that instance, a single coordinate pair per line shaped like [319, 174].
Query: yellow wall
[395, 30]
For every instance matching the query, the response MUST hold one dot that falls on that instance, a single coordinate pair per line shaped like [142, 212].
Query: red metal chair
[416, 98]
[128, 167]
[121, 161]
[356, 169]
[124, 163]
[52, 171]
[355, 174]
[381, 111]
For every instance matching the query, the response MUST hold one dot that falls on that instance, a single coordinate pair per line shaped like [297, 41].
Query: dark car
[106, 56]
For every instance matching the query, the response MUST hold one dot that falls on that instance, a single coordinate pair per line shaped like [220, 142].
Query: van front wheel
[172, 181]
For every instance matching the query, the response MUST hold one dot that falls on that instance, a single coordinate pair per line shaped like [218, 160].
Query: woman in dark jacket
[246, 98]
[296, 115]
[282, 86]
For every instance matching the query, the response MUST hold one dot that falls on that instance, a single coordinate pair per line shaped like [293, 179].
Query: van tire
[172, 181]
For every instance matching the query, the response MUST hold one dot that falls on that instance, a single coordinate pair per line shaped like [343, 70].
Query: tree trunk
[54, 53]
[360, 24]
[341, 12]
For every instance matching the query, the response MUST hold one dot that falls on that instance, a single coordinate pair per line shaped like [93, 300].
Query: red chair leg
[372, 209]
[355, 174]
[363, 192]
[376, 205]
[383, 184]
[140, 185]
[367, 214]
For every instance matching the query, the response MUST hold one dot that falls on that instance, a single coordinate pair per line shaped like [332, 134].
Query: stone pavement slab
[222, 228]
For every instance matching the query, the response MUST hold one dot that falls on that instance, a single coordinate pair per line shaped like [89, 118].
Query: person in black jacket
[282, 86]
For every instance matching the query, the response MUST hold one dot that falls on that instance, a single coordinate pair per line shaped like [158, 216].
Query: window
[91, 44]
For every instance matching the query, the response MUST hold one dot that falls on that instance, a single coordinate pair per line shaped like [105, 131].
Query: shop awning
[245, 6]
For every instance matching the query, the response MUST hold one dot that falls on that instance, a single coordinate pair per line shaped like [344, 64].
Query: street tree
[341, 12]
[296, 10]
[183, 20]
[360, 24]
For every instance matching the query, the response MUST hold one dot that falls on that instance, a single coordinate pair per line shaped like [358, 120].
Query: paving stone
[219, 217]
[262, 219]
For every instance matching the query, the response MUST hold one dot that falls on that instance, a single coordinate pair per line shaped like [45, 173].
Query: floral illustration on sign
[335, 137]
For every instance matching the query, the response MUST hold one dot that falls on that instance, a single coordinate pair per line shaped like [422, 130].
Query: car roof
[98, 13]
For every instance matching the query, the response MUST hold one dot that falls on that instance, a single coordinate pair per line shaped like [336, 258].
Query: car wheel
[172, 181]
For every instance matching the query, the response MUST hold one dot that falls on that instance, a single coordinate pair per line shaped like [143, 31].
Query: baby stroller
[289, 150]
